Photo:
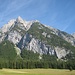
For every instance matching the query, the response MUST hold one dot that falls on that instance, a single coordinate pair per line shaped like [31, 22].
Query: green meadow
[36, 72]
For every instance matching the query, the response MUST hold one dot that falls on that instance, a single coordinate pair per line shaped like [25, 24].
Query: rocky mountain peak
[23, 23]
[19, 19]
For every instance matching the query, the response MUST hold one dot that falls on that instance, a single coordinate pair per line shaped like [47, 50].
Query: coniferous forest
[29, 60]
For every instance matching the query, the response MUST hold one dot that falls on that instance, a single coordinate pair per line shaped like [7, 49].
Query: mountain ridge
[37, 37]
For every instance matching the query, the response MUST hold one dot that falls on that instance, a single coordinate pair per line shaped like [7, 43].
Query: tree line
[30, 60]
[28, 64]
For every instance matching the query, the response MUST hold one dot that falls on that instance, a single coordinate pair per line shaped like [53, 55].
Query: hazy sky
[59, 14]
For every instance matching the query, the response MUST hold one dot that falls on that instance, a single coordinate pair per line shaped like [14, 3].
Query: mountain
[38, 38]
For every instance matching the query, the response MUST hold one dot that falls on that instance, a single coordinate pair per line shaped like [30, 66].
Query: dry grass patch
[13, 71]
[36, 72]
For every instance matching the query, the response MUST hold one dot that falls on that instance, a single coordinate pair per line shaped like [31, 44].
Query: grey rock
[35, 45]
[44, 34]
[14, 37]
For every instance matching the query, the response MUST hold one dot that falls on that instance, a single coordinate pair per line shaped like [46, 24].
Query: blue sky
[59, 14]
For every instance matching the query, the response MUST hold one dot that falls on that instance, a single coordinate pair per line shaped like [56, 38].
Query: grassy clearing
[36, 72]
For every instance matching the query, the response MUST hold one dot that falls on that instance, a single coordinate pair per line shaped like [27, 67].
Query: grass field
[36, 72]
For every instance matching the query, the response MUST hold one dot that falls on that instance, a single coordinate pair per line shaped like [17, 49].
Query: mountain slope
[36, 37]
[41, 39]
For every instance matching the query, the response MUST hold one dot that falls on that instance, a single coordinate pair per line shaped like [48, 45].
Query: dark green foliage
[49, 57]
[50, 60]
[30, 64]
[29, 55]
[7, 51]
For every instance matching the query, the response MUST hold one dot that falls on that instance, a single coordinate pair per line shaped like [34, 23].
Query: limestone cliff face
[61, 52]
[30, 43]
[34, 36]
[35, 45]
[7, 26]
[14, 37]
